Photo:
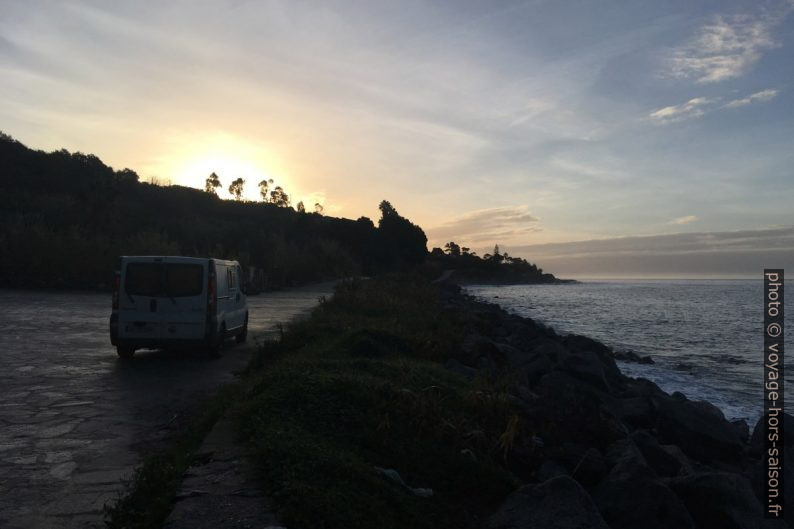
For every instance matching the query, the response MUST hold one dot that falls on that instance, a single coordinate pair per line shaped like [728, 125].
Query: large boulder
[583, 344]
[631, 495]
[586, 367]
[559, 503]
[570, 410]
[640, 503]
[720, 500]
[514, 356]
[478, 350]
[553, 349]
[535, 369]
[627, 462]
[701, 433]
[666, 460]
[636, 411]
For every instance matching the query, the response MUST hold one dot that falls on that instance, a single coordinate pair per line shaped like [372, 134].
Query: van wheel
[125, 351]
[243, 336]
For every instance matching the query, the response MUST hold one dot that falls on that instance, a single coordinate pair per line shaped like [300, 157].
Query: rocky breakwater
[598, 449]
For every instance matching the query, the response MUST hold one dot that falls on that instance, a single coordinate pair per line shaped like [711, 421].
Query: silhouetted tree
[408, 243]
[452, 249]
[236, 188]
[386, 209]
[279, 197]
[300, 208]
[318, 208]
[211, 184]
[264, 185]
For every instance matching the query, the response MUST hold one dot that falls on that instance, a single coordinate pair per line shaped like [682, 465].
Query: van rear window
[159, 280]
[184, 279]
[144, 279]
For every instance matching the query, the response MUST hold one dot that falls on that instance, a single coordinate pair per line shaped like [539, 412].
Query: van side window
[231, 279]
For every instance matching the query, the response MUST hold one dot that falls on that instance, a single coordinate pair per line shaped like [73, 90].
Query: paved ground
[74, 420]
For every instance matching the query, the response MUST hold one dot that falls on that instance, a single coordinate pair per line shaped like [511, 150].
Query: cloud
[487, 225]
[733, 253]
[763, 95]
[691, 109]
[684, 220]
[725, 49]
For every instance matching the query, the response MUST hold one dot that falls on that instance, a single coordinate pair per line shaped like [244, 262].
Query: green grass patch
[360, 385]
[149, 495]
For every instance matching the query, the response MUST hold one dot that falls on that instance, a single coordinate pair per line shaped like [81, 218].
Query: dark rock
[551, 348]
[640, 503]
[642, 387]
[591, 467]
[627, 461]
[549, 469]
[631, 356]
[631, 495]
[539, 366]
[513, 355]
[635, 411]
[586, 367]
[584, 344]
[719, 500]
[456, 367]
[481, 352]
[559, 503]
[568, 409]
[709, 408]
[742, 428]
[700, 432]
[665, 460]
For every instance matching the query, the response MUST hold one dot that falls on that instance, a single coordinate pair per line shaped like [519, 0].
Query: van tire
[125, 351]
[243, 335]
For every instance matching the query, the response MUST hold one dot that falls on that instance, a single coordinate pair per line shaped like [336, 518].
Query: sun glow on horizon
[191, 159]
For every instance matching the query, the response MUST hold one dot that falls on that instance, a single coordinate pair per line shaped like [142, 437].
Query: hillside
[65, 217]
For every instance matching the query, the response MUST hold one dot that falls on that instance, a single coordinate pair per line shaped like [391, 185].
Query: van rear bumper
[210, 338]
[161, 343]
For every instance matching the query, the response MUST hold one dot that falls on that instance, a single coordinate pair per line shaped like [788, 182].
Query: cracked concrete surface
[75, 420]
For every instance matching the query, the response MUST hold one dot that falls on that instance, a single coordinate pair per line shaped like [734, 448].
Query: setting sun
[230, 157]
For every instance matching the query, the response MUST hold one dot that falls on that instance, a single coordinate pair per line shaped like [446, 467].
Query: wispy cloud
[691, 109]
[684, 220]
[763, 95]
[725, 49]
[487, 225]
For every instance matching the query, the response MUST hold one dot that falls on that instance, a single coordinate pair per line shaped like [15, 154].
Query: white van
[177, 301]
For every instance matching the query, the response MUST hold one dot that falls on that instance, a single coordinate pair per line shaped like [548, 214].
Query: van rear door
[184, 307]
[139, 301]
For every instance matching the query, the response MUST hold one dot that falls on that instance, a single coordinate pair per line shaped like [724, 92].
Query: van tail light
[116, 287]
[212, 294]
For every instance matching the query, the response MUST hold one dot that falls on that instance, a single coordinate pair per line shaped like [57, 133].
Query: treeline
[492, 268]
[65, 217]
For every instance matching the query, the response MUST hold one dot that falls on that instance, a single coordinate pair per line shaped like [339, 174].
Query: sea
[705, 336]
